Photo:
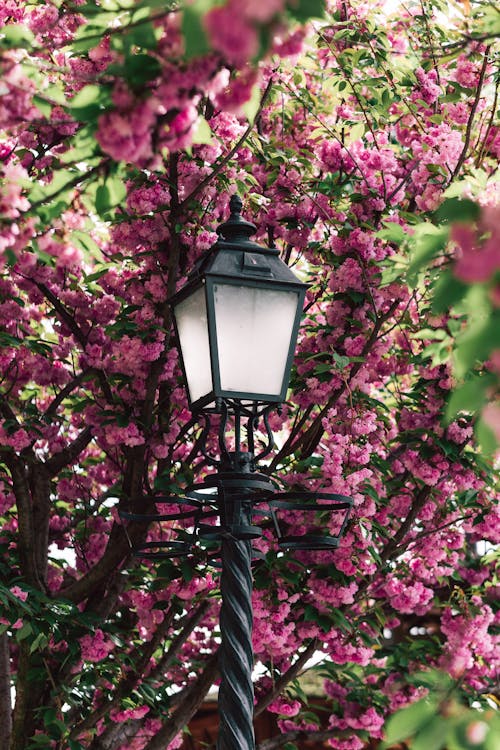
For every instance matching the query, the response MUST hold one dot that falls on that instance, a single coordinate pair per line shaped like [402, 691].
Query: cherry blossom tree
[364, 140]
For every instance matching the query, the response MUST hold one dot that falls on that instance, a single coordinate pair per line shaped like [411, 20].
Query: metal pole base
[236, 653]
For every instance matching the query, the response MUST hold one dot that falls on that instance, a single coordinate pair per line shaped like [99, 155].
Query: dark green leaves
[303, 10]
[392, 232]
[15, 35]
[470, 396]
[457, 210]
[428, 242]
[195, 38]
[405, 723]
[140, 68]
[110, 194]
[90, 102]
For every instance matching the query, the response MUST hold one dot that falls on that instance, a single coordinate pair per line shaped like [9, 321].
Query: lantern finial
[236, 228]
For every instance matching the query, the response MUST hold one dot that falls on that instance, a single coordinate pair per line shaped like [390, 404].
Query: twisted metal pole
[236, 619]
[236, 653]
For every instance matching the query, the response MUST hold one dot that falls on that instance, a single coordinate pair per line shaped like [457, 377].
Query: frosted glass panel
[253, 337]
[191, 318]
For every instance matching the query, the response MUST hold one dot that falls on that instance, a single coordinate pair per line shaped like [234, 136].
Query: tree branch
[222, 163]
[77, 332]
[64, 392]
[468, 130]
[291, 673]
[193, 698]
[26, 538]
[417, 505]
[69, 454]
[5, 687]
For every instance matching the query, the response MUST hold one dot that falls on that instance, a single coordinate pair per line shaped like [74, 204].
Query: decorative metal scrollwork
[212, 510]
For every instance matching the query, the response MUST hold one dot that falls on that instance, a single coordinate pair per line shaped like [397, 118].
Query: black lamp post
[237, 320]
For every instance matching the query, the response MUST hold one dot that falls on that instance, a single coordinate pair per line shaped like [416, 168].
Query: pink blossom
[467, 72]
[127, 135]
[468, 638]
[19, 593]
[458, 433]
[231, 34]
[476, 732]
[176, 742]
[346, 743]
[17, 440]
[285, 707]
[410, 598]
[129, 713]
[42, 19]
[429, 91]
[370, 721]
[256, 10]
[95, 647]
[479, 246]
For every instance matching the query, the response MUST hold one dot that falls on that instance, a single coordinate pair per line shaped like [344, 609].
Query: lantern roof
[236, 256]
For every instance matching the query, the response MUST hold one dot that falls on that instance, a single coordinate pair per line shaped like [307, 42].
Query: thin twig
[219, 166]
[468, 130]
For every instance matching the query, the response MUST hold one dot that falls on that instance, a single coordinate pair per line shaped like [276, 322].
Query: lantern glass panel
[254, 328]
[192, 327]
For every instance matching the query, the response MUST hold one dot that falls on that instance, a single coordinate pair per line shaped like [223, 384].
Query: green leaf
[476, 344]
[469, 397]
[97, 274]
[432, 736]
[41, 739]
[303, 10]
[457, 210]
[428, 241]
[141, 68]
[102, 200]
[250, 108]
[195, 39]
[24, 632]
[437, 334]
[82, 146]
[110, 195]
[43, 105]
[341, 361]
[392, 233]
[39, 643]
[86, 243]
[493, 736]
[485, 437]
[354, 133]
[16, 35]
[447, 292]
[434, 679]
[405, 723]
[89, 102]
[201, 132]
[143, 35]
[187, 571]
[88, 95]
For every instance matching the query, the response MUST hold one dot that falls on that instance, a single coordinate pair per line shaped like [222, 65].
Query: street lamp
[237, 319]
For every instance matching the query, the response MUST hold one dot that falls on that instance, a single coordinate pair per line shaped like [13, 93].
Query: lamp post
[237, 320]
